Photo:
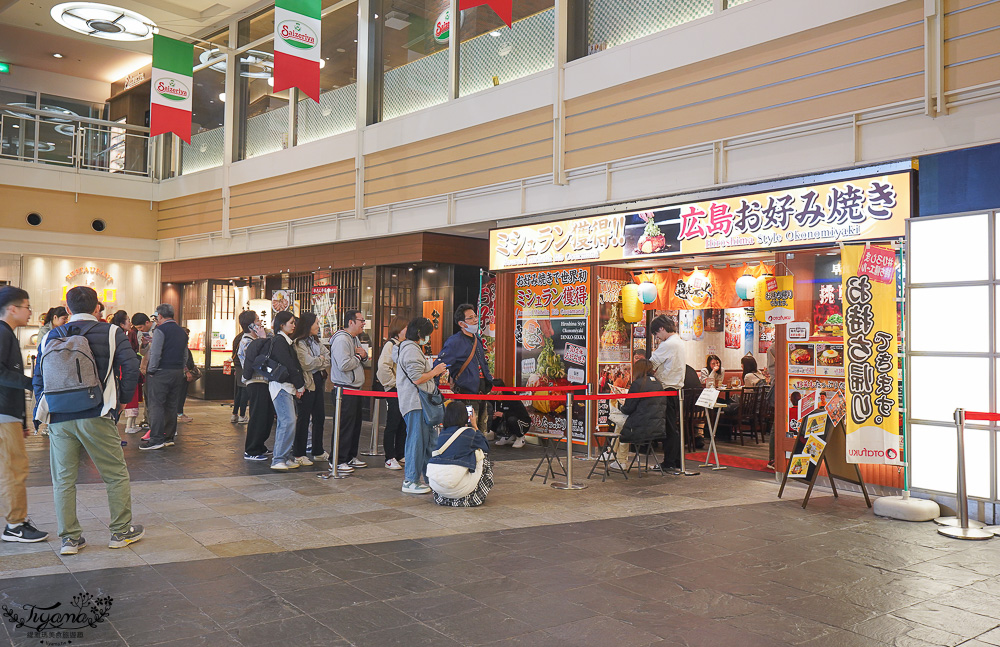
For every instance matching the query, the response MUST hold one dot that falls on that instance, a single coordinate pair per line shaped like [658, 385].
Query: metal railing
[69, 140]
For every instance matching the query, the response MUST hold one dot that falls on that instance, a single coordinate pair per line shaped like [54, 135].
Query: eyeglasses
[359, 320]
[28, 308]
[473, 318]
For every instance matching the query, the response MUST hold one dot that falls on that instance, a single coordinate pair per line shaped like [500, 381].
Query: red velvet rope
[519, 389]
[981, 415]
[533, 398]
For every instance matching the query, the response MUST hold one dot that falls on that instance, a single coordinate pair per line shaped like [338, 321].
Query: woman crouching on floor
[459, 472]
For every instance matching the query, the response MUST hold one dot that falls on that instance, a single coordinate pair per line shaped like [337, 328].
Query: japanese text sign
[879, 264]
[870, 355]
[850, 210]
[776, 304]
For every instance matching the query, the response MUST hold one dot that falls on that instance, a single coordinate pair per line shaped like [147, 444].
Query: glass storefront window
[55, 134]
[957, 245]
[262, 111]
[207, 146]
[609, 23]
[492, 54]
[17, 132]
[413, 39]
[336, 111]
[193, 315]
[256, 27]
[972, 319]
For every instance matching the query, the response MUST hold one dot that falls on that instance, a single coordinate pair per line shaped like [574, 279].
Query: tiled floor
[239, 558]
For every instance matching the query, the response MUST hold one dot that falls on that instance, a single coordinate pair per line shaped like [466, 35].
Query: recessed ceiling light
[57, 55]
[103, 21]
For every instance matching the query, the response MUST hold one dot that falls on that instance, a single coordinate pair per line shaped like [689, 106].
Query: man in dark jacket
[165, 377]
[465, 356]
[14, 312]
[93, 430]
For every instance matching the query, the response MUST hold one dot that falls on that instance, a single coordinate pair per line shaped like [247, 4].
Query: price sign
[878, 263]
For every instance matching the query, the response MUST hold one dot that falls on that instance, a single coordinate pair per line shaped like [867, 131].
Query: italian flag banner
[170, 92]
[297, 28]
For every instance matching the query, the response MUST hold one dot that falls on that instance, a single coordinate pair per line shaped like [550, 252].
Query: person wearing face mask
[465, 356]
[414, 373]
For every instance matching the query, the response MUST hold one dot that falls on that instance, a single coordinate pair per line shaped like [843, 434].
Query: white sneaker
[345, 467]
[283, 467]
[130, 430]
[393, 464]
[490, 435]
[184, 418]
[357, 463]
[233, 418]
[303, 461]
[402, 461]
[519, 443]
[415, 488]
[322, 457]
[243, 420]
[503, 440]
[291, 464]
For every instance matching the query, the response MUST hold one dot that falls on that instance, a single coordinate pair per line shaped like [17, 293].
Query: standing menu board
[614, 348]
[550, 331]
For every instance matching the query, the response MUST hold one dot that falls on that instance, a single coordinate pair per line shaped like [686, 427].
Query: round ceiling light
[103, 21]
[254, 63]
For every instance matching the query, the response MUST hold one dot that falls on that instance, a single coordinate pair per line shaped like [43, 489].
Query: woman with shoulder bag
[285, 392]
[315, 365]
[420, 401]
[459, 472]
[394, 436]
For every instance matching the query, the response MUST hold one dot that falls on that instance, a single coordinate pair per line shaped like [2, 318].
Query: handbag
[431, 404]
[269, 368]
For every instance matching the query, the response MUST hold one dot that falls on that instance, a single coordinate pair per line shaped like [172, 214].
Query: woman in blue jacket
[459, 472]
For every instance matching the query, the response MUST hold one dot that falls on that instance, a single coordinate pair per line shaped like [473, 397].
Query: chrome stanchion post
[335, 450]
[961, 527]
[680, 404]
[588, 437]
[373, 441]
[569, 484]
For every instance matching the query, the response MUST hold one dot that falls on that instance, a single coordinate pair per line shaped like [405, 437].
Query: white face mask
[424, 341]
[472, 329]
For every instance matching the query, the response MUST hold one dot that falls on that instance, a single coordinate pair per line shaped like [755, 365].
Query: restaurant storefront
[405, 276]
[785, 263]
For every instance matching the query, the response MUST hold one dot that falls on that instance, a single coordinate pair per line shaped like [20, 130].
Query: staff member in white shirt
[669, 368]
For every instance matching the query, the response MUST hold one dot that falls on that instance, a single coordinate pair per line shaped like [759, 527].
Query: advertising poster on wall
[870, 353]
[614, 349]
[765, 337]
[282, 300]
[734, 328]
[550, 330]
[324, 306]
[488, 319]
[434, 310]
[809, 393]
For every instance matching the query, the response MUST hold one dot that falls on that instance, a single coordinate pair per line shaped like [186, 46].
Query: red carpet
[742, 462]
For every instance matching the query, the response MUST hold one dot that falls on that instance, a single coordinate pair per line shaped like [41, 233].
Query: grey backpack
[70, 382]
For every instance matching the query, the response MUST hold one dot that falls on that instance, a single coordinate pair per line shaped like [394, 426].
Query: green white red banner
[297, 27]
[170, 91]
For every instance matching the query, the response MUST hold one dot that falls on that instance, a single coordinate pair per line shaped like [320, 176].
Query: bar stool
[641, 460]
[607, 442]
[548, 443]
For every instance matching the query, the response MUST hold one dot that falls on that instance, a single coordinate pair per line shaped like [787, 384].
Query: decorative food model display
[652, 240]
[616, 330]
[549, 371]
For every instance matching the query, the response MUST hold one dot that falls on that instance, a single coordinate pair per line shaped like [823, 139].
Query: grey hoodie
[410, 365]
[346, 368]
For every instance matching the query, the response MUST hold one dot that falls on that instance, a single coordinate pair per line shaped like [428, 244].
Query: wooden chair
[765, 412]
[747, 419]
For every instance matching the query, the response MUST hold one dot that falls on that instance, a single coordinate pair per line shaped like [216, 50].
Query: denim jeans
[284, 430]
[419, 445]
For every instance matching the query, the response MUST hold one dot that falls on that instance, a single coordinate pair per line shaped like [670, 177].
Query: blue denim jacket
[453, 354]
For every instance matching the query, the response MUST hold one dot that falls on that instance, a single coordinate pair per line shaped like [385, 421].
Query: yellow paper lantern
[632, 309]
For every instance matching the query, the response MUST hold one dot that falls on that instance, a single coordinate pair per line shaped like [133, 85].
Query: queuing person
[15, 311]
[121, 319]
[347, 371]
[258, 397]
[315, 365]
[286, 392]
[92, 430]
[413, 372]
[240, 400]
[646, 420]
[191, 373]
[669, 369]
[140, 338]
[712, 371]
[54, 318]
[394, 436]
[510, 421]
[459, 471]
[165, 374]
[465, 356]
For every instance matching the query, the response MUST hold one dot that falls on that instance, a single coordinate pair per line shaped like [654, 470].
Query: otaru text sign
[867, 208]
[870, 355]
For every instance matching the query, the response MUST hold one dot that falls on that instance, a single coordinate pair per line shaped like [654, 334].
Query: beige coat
[312, 357]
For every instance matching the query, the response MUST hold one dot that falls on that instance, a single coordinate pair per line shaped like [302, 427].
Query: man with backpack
[14, 312]
[79, 395]
[165, 378]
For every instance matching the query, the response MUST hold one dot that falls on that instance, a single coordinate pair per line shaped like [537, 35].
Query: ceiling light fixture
[254, 64]
[103, 21]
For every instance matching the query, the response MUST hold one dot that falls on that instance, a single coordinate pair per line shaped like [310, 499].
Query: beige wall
[69, 213]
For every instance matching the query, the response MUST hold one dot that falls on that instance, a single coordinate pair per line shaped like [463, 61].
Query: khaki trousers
[13, 473]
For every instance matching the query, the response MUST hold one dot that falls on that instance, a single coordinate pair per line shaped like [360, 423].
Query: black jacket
[13, 381]
[647, 417]
[284, 354]
[512, 409]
